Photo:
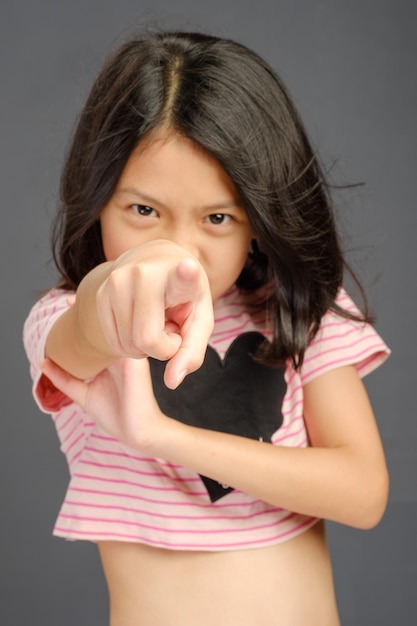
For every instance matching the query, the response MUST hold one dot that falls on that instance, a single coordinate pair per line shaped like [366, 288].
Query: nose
[184, 235]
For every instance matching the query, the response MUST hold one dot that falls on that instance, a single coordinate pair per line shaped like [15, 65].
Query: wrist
[166, 440]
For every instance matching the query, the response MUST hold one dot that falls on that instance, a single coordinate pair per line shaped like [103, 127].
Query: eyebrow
[145, 198]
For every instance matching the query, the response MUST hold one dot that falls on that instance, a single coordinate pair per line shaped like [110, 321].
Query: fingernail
[181, 377]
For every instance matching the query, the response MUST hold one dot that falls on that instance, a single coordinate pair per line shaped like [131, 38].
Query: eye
[145, 211]
[218, 218]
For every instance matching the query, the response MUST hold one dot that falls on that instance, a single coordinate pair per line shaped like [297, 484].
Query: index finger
[196, 327]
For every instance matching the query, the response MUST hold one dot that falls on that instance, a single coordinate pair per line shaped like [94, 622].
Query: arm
[342, 477]
[153, 300]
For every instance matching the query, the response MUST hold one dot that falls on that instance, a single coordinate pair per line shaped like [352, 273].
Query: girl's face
[171, 189]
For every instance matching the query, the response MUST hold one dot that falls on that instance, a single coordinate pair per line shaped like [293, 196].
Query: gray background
[351, 68]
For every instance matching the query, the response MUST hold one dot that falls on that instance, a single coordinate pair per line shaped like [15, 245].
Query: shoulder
[52, 302]
[44, 313]
[340, 342]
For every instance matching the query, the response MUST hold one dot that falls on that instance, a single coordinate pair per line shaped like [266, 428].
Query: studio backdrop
[350, 66]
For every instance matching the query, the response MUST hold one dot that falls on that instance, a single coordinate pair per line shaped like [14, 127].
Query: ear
[253, 247]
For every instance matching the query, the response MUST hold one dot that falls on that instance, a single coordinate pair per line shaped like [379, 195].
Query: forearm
[330, 483]
[76, 341]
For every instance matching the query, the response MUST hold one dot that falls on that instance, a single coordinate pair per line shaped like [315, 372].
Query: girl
[199, 356]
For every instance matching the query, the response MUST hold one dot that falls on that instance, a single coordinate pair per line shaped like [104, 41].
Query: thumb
[72, 387]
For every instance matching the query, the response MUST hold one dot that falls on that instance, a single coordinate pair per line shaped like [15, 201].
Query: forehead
[168, 161]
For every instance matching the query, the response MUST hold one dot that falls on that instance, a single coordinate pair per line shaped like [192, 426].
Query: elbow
[374, 499]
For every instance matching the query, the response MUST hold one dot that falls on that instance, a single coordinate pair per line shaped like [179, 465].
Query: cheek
[111, 243]
[116, 238]
[228, 269]
[110, 253]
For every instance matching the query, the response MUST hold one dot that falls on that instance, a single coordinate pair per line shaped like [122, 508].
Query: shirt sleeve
[39, 322]
[340, 342]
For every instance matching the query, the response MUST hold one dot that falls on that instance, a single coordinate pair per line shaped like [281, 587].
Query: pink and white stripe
[116, 493]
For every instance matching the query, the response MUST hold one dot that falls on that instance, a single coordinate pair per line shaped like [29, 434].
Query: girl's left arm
[342, 477]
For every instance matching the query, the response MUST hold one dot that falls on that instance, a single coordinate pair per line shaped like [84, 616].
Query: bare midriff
[289, 584]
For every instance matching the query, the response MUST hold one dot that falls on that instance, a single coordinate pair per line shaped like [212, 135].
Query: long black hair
[229, 101]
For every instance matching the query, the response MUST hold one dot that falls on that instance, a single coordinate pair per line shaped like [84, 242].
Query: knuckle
[115, 279]
[146, 343]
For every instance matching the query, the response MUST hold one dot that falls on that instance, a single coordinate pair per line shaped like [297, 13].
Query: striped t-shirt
[116, 493]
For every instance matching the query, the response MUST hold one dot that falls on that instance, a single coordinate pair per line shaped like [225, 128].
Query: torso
[159, 504]
[287, 584]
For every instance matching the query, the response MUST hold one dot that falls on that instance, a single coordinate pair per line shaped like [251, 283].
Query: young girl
[199, 356]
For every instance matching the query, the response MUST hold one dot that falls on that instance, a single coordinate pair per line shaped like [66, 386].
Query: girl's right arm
[154, 300]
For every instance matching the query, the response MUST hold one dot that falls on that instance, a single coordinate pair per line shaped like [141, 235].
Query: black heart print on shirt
[233, 395]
